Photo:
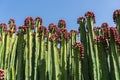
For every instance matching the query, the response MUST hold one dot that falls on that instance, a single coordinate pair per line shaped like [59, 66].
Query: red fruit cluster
[12, 25]
[91, 15]
[29, 21]
[104, 25]
[115, 33]
[11, 21]
[13, 28]
[23, 29]
[38, 19]
[3, 26]
[80, 47]
[99, 38]
[73, 32]
[53, 37]
[116, 15]
[64, 33]
[62, 24]
[10, 31]
[2, 74]
[80, 19]
[52, 28]
[96, 29]
[42, 30]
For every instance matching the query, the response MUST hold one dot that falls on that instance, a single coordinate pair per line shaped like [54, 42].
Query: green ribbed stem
[83, 39]
[91, 47]
[114, 60]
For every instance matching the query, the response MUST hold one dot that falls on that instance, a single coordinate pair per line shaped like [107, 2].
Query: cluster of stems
[35, 52]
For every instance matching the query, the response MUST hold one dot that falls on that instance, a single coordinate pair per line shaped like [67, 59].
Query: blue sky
[53, 10]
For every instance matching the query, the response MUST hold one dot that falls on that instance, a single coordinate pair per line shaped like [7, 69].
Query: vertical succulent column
[9, 44]
[68, 53]
[20, 67]
[91, 46]
[55, 56]
[12, 73]
[51, 64]
[38, 23]
[103, 57]
[78, 50]
[83, 39]
[3, 28]
[29, 22]
[63, 53]
[114, 61]
[116, 19]
[42, 54]
[73, 39]
[12, 29]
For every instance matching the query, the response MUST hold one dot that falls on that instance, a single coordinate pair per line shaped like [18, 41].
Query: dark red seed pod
[104, 25]
[3, 25]
[62, 31]
[91, 15]
[74, 32]
[116, 14]
[11, 21]
[23, 29]
[29, 21]
[13, 27]
[115, 33]
[52, 28]
[67, 36]
[2, 74]
[53, 37]
[39, 19]
[62, 24]
[80, 19]
[42, 29]
[80, 47]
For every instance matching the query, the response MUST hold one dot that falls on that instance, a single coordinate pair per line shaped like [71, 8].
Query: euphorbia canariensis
[34, 52]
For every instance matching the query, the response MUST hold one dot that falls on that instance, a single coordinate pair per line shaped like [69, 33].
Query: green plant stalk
[104, 74]
[53, 62]
[68, 60]
[7, 51]
[83, 38]
[20, 57]
[36, 51]
[2, 50]
[118, 24]
[12, 39]
[49, 59]
[30, 54]
[57, 65]
[114, 61]
[63, 59]
[42, 58]
[118, 28]
[77, 64]
[91, 47]
[73, 39]
[97, 62]
[12, 73]
[13, 53]
[27, 50]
